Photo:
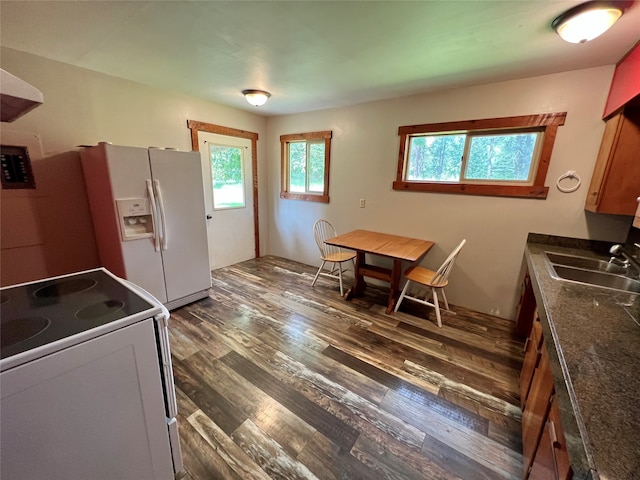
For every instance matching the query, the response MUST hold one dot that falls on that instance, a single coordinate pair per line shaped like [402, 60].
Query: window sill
[305, 196]
[525, 191]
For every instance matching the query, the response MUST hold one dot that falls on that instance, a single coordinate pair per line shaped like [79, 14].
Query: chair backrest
[442, 274]
[323, 230]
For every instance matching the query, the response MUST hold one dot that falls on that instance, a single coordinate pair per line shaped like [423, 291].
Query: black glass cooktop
[42, 312]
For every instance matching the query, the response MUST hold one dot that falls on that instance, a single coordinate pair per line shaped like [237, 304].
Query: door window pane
[227, 177]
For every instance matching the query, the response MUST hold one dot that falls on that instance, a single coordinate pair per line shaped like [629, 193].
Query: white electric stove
[86, 383]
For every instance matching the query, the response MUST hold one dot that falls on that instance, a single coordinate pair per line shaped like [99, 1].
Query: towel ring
[569, 174]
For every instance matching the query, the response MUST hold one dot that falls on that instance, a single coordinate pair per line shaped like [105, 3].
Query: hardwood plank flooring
[277, 379]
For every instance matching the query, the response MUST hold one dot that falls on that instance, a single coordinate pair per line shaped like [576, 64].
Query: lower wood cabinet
[544, 452]
[536, 410]
[531, 361]
[526, 310]
[552, 460]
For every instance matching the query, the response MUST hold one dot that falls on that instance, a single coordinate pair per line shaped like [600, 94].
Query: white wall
[364, 154]
[82, 107]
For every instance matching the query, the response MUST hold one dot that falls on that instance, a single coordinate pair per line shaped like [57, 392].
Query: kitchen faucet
[629, 261]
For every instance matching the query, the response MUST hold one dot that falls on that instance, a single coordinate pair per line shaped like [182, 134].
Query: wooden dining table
[397, 248]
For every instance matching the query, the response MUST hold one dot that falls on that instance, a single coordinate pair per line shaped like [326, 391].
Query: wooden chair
[322, 230]
[436, 281]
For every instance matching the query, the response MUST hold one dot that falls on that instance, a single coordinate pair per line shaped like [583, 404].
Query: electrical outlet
[362, 203]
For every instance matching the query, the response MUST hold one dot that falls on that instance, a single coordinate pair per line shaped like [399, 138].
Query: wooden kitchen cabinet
[531, 361]
[551, 461]
[544, 451]
[615, 183]
[625, 85]
[536, 409]
[526, 310]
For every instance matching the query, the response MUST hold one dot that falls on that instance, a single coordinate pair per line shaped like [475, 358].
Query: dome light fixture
[587, 21]
[256, 97]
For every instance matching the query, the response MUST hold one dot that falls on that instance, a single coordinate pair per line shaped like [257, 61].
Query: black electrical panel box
[16, 167]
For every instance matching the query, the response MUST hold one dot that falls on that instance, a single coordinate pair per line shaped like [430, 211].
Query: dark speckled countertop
[592, 336]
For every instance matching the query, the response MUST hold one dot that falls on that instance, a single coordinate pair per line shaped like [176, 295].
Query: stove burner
[101, 309]
[18, 330]
[65, 287]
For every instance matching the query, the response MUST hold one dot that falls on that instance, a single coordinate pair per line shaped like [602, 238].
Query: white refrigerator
[148, 215]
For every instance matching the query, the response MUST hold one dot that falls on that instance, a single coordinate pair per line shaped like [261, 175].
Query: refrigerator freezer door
[129, 169]
[186, 258]
[111, 173]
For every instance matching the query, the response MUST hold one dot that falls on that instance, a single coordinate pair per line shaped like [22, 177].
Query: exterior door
[226, 167]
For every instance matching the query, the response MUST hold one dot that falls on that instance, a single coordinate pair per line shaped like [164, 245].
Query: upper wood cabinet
[615, 184]
[625, 86]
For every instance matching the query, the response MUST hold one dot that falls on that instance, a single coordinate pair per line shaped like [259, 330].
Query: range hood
[17, 97]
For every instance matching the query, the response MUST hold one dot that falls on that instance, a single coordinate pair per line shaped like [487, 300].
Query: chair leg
[317, 273]
[444, 297]
[340, 276]
[435, 304]
[401, 297]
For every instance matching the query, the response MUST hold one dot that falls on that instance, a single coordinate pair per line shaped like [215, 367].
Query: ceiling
[309, 54]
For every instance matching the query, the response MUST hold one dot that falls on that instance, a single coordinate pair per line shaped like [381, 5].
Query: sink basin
[585, 263]
[598, 279]
[591, 271]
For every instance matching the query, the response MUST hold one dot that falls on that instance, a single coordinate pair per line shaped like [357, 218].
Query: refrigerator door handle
[163, 219]
[154, 222]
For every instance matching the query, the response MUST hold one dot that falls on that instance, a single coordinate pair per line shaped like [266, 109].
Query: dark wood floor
[277, 379]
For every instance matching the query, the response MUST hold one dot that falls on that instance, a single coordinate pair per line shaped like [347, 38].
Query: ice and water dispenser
[135, 218]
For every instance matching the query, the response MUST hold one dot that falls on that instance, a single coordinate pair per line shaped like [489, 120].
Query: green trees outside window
[227, 177]
[494, 157]
[507, 156]
[305, 166]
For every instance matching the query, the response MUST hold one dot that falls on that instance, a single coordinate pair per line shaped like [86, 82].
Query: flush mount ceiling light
[256, 97]
[586, 21]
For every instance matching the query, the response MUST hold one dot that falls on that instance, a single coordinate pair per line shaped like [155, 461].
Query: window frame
[285, 140]
[547, 123]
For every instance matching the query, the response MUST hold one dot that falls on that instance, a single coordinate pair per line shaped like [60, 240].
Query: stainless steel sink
[599, 279]
[591, 271]
[585, 263]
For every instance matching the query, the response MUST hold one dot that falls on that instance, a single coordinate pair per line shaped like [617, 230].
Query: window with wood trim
[506, 156]
[305, 166]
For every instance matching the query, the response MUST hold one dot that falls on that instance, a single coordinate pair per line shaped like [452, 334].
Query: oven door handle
[170, 393]
[162, 322]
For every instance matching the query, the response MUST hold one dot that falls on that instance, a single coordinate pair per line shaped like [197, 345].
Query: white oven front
[91, 393]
